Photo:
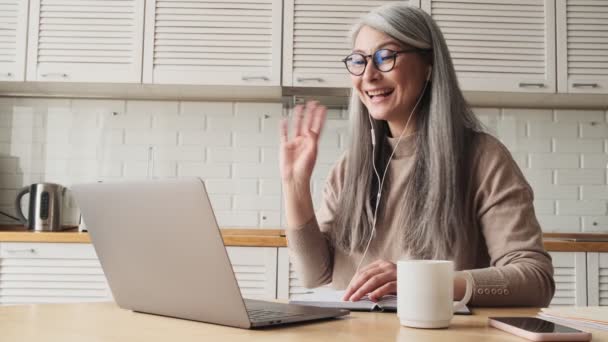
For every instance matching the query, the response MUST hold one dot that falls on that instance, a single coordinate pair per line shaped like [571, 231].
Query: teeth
[378, 92]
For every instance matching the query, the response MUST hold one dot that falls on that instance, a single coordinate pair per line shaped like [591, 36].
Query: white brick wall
[234, 147]
[566, 153]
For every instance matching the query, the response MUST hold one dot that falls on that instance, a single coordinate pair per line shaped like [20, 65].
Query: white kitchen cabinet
[499, 45]
[597, 278]
[71, 272]
[315, 40]
[582, 46]
[213, 42]
[255, 269]
[570, 275]
[50, 273]
[13, 32]
[85, 41]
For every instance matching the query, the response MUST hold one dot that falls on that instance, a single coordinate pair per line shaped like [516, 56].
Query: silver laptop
[162, 253]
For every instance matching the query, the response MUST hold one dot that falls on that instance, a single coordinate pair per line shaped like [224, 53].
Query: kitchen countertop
[555, 242]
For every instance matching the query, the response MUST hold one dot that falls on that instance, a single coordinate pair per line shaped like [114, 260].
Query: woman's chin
[380, 115]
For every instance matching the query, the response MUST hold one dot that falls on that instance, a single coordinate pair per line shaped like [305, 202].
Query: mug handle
[468, 292]
[18, 209]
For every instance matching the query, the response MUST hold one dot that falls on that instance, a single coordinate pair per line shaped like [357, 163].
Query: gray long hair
[432, 209]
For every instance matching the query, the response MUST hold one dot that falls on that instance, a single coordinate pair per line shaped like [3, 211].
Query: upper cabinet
[499, 45]
[582, 46]
[216, 42]
[13, 32]
[316, 40]
[85, 41]
[535, 46]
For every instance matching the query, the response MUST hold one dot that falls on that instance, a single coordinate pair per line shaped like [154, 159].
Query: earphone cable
[381, 181]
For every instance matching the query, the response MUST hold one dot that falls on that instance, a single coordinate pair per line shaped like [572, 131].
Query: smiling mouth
[379, 94]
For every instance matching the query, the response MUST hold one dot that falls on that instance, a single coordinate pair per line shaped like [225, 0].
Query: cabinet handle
[531, 85]
[55, 74]
[252, 78]
[585, 85]
[306, 79]
[9, 74]
[25, 250]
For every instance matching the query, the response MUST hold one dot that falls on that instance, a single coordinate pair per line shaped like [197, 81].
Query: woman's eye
[384, 57]
[356, 61]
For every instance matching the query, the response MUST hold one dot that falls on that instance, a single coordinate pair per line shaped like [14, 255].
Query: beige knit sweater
[509, 264]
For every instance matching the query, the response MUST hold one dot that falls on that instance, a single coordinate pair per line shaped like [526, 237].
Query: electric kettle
[46, 200]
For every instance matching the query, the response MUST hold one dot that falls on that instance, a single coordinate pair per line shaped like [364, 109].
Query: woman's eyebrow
[378, 47]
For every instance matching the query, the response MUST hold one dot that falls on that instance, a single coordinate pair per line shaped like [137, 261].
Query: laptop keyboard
[261, 315]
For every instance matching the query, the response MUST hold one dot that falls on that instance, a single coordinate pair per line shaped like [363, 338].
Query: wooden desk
[107, 322]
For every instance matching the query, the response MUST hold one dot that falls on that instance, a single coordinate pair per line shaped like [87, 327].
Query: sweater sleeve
[309, 247]
[520, 272]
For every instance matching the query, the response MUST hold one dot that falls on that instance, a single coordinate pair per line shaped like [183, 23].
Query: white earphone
[381, 181]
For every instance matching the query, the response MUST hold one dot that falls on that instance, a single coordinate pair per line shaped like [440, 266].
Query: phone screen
[536, 325]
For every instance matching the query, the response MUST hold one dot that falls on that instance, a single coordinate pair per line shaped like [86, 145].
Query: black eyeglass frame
[393, 56]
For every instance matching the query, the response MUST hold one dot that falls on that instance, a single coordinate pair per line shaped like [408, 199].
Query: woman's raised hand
[298, 154]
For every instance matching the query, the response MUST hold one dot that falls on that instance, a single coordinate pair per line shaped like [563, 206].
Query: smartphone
[537, 329]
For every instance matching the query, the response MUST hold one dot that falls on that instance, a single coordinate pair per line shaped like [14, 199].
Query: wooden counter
[555, 242]
[107, 322]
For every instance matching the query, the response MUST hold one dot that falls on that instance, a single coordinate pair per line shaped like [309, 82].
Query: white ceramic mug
[425, 293]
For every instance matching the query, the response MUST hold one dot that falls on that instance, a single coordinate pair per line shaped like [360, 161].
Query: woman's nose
[371, 73]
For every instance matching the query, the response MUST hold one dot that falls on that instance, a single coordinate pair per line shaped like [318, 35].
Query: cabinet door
[255, 269]
[50, 273]
[316, 40]
[13, 30]
[597, 278]
[582, 46]
[499, 45]
[217, 42]
[288, 284]
[85, 40]
[570, 279]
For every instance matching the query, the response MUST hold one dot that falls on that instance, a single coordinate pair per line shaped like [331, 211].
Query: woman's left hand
[374, 280]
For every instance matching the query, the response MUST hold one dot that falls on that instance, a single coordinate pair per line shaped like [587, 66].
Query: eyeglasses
[383, 59]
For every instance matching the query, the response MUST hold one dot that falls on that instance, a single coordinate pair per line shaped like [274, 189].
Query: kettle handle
[24, 190]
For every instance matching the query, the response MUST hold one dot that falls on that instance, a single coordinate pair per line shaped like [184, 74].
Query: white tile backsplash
[234, 147]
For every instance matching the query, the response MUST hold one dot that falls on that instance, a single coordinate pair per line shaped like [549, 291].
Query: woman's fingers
[372, 284]
[318, 120]
[356, 279]
[359, 280]
[284, 131]
[388, 288]
[308, 118]
[362, 277]
[309, 111]
[298, 114]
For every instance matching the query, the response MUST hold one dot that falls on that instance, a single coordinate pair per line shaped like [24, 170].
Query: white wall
[563, 153]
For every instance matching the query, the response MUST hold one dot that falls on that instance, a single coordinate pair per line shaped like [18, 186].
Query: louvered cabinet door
[316, 40]
[13, 31]
[213, 42]
[85, 41]
[255, 269]
[597, 278]
[570, 275]
[33, 273]
[499, 45]
[582, 46]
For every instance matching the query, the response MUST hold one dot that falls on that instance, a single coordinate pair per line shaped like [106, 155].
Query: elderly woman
[420, 180]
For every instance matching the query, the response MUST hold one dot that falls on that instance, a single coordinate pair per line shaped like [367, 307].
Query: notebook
[329, 298]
